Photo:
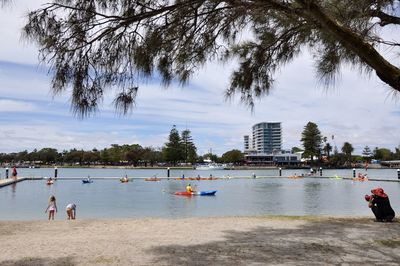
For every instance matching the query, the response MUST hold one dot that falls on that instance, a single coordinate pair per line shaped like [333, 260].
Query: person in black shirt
[380, 205]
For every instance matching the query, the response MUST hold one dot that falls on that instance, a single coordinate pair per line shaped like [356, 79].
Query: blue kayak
[206, 193]
[85, 181]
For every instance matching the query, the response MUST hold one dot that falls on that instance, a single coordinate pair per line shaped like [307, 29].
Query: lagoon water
[143, 173]
[109, 198]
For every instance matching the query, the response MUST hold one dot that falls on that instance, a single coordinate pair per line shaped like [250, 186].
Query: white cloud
[358, 110]
[12, 20]
[16, 106]
[18, 137]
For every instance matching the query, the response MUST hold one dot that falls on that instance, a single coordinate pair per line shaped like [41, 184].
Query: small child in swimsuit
[52, 207]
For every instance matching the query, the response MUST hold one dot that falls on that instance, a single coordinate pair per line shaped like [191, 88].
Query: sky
[359, 109]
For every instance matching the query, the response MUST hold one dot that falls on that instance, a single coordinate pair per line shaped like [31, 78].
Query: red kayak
[196, 193]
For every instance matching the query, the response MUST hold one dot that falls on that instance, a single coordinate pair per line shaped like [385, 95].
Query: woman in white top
[71, 211]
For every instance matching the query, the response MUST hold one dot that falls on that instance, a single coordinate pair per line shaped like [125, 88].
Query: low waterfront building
[391, 164]
[272, 159]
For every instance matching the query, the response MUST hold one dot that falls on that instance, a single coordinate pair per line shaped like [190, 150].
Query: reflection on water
[235, 197]
[13, 189]
[312, 197]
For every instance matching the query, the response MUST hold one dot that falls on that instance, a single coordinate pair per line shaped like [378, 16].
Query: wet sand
[201, 241]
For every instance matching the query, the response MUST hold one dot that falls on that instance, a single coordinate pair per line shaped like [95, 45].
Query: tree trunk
[387, 72]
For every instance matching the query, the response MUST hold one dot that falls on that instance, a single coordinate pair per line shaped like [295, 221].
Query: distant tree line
[178, 150]
[134, 155]
[318, 150]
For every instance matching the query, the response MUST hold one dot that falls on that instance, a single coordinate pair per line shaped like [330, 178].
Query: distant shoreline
[192, 168]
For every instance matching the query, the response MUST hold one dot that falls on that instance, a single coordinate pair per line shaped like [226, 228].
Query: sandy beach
[201, 241]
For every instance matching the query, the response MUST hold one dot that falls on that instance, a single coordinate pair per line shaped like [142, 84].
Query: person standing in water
[51, 207]
[14, 172]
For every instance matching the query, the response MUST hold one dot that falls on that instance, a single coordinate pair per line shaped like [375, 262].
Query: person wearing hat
[380, 205]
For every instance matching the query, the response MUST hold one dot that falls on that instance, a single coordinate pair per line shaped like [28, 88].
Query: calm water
[110, 198]
[84, 172]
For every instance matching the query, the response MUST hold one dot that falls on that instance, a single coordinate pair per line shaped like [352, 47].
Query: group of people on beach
[52, 209]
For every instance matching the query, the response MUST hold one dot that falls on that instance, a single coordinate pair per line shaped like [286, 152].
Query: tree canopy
[188, 147]
[347, 149]
[233, 156]
[367, 152]
[312, 140]
[172, 151]
[95, 45]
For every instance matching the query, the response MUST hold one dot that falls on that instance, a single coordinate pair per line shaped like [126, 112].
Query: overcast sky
[359, 110]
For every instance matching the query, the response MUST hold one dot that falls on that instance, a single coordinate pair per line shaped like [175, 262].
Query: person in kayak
[189, 189]
[124, 179]
[380, 205]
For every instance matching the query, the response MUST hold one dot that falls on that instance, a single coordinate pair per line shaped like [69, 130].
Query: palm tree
[347, 149]
[327, 149]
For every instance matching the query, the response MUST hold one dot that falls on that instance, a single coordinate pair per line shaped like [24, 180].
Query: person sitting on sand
[189, 189]
[380, 205]
[51, 207]
[71, 211]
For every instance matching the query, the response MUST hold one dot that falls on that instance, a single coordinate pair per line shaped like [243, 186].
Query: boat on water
[196, 193]
[210, 165]
[49, 180]
[295, 177]
[154, 179]
[87, 180]
[124, 179]
[196, 178]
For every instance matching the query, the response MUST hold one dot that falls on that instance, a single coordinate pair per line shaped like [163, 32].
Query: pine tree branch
[385, 19]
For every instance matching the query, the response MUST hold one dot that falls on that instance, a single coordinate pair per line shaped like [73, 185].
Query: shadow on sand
[31, 261]
[341, 241]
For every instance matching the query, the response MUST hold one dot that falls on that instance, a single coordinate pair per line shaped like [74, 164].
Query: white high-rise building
[247, 142]
[266, 138]
[264, 146]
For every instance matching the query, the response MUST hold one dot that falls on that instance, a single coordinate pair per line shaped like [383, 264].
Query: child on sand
[71, 211]
[52, 207]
